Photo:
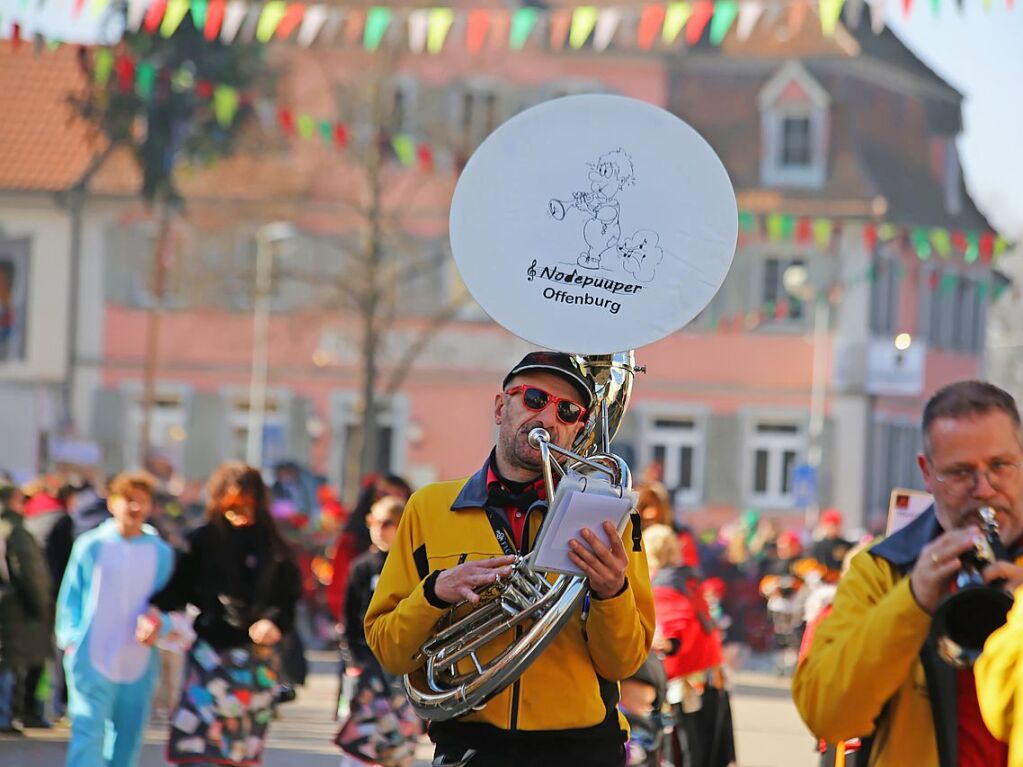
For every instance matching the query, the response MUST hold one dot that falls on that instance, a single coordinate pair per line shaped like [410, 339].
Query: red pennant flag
[933, 279]
[204, 89]
[804, 230]
[870, 237]
[559, 24]
[907, 6]
[154, 16]
[124, 69]
[292, 18]
[987, 246]
[340, 135]
[425, 157]
[476, 30]
[15, 36]
[650, 23]
[287, 121]
[959, 241]
[214, 18]
[76, 9]
[703, 10]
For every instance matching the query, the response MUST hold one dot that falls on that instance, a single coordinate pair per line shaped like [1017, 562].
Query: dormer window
[794, 129]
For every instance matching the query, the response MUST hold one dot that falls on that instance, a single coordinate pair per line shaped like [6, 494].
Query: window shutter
[723, 481]
[108, 427]
[206, 429]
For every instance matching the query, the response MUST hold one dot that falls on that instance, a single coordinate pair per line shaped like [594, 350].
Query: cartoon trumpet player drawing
[602, 228]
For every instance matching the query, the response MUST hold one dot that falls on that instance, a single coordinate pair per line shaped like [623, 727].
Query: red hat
[790, 536]
[831, 517]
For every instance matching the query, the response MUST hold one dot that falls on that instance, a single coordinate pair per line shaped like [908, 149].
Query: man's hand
[937, 565]
[603, 564]
[460, 583]
[264, 632]
[1010, 572]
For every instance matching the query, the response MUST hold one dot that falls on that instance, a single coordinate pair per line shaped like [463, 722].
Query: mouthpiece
[538, 435]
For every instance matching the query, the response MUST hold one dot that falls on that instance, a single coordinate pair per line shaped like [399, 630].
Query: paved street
[768, 730]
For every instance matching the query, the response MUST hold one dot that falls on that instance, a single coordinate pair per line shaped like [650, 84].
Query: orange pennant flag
[561, 22]
[703, 11]
[292, 18]
[650, 22]
[476, 28]
[500, 26]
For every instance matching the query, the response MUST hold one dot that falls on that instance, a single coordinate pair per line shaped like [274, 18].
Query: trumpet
[967, 617]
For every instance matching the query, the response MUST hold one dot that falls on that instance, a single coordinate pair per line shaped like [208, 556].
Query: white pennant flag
[605, 28]
[418, 26]
[136, 12]
[248, 31]
[234, 15]
[313, 21]
[749, 14]
[877, 16]
[853, 13]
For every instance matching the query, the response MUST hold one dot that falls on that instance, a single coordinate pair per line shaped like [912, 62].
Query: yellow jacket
[999, 675]
[865, 672]
[445, 524]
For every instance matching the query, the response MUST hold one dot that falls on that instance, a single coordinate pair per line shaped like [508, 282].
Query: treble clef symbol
[531, 271]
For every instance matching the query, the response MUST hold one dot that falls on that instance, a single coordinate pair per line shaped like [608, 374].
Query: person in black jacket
[378, 698]
[240, 574]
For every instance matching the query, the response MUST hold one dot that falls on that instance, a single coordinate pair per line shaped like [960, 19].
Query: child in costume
[104, 629]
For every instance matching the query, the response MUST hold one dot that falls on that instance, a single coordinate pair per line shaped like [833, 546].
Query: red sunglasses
[537, 399]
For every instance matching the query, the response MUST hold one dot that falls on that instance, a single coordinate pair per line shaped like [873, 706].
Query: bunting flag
[607, 24]
[476, 28]
[292, 18]
[199, 10]
[650, 22]
[173, 16]
[522, 24]
[271, 16]
[583, 21]
[749, 14]
[439, 25]
[418, 23]
[703, 11]
[234, 16]
[725, 12]
[377, 21]
[214, 18]
[314, 20]
[560, 21]
[676, 16]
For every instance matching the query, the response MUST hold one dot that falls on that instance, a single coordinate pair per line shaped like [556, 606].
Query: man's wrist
[430, 591]
[625, 585]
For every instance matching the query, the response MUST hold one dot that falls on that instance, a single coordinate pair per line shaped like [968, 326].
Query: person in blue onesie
[105, 631]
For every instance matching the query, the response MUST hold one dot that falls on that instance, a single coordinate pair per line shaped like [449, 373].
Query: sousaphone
[590, 225]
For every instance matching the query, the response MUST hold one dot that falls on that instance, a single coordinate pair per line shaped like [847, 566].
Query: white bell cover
[594, 224]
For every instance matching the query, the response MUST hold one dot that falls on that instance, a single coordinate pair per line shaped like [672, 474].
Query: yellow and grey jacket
[999, 675]
[572, 686]
[872, 668]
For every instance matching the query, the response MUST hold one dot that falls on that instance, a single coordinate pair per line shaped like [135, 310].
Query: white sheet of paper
[579, 510]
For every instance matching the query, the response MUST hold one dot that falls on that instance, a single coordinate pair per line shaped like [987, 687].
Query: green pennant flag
[942, 242]
[173, 16]
[225, 104]
[199, 13]
[523, 21]
[675, 17]
[725, 12]
[405, 149]
[269, 19]
[922, 244]
[788, 226]
[145, 79]
[948, 283]
[972, 247]
[584, 18]
[936, 7]
[440, 21]
[747, 221]
[822, 228]
[377, 21]
[103, 66]
[306, 126]
[326, 132]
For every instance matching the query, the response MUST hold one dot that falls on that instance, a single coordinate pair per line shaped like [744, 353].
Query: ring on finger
[935, 559]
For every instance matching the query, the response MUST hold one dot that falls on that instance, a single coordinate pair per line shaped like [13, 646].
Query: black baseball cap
[560, 364]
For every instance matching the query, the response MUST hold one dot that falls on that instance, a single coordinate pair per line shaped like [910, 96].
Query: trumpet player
[872, 668]
[456, 537]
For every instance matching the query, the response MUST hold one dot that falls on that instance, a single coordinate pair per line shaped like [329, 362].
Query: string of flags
[433, 29]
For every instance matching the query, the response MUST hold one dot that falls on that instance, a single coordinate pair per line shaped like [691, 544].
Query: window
[894, 448]
[772, 287]
[952, 313]
[476, 113]
[275, 425]
[675, 442]
[796, 142]
[793, 129]
[402, 117]
[774, 449]
[392, 420]
[884, 297]
[167, 424]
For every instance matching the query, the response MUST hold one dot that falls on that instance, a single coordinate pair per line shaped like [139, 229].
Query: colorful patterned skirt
[226, 706]
[381, 727]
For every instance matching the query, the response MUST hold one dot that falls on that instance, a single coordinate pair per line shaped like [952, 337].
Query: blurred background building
[799, 387]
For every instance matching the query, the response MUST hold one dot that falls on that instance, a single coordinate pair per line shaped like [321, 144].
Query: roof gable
[792, 84]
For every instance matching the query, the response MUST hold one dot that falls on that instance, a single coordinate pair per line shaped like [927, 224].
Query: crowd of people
[117, 598]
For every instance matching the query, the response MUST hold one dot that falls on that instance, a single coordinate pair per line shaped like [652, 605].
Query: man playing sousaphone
[525, 668]
[877, 666]
[562, 710]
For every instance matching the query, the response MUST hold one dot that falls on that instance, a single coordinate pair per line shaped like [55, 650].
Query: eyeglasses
[383, 524]
[962, 480]
[537, 399]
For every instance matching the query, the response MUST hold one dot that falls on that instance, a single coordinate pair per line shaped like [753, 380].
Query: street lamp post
[268, 238]
[797, 284]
